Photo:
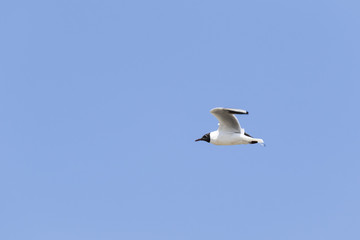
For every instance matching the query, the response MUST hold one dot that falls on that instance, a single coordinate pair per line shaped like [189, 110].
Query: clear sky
[101, 102]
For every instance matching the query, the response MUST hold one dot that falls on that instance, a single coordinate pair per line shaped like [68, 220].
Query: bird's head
[205, 138]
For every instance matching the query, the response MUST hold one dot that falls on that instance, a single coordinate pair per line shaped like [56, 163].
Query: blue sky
[101, 102]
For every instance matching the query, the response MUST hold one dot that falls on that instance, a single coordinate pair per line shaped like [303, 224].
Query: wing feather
[227, 121]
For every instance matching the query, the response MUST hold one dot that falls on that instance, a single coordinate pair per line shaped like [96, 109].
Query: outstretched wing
[227, 121]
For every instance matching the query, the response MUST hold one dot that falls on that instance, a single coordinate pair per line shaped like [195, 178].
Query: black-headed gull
[229, 131]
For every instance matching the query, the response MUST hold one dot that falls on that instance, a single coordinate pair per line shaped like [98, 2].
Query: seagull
[229, 131]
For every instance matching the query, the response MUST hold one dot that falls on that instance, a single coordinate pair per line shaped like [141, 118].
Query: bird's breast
[224, 138]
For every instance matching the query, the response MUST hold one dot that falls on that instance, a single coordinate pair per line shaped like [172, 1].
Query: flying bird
[229, 131]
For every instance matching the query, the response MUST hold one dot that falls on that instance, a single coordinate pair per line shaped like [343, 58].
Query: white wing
[227, 121]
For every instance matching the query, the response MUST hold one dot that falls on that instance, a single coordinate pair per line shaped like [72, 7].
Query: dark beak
[205, 138]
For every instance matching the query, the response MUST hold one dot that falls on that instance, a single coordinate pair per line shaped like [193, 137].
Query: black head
[205, 138]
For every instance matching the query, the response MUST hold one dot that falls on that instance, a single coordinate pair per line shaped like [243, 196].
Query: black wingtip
[236, 112]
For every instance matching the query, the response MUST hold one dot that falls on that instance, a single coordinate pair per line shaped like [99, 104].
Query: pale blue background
[101, 102]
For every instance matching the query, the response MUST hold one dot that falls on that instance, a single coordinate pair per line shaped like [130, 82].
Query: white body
[229, 131]
[231, 138]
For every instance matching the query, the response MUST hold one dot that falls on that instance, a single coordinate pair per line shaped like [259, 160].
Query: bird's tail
[261, 142]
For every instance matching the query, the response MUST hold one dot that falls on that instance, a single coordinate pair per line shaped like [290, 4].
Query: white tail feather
[261, 142]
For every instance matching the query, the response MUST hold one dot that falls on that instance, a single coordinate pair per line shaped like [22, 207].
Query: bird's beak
[200, 139]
